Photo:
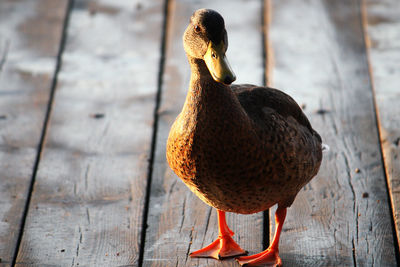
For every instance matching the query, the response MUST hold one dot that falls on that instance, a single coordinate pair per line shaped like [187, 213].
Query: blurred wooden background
[89, 89]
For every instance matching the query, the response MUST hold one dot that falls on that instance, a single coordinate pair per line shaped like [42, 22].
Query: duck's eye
[197, 28]
[213, 55]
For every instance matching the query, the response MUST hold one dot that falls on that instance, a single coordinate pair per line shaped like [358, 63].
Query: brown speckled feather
[242, 148]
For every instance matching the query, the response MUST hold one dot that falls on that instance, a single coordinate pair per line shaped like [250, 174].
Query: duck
[239, 148]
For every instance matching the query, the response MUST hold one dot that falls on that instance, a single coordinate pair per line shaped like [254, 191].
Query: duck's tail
[325, 148]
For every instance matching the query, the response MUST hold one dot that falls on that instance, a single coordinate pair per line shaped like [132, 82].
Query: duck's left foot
[268, 257]
[222, 247]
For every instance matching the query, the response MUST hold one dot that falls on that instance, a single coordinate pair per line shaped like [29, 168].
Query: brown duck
[239, 148]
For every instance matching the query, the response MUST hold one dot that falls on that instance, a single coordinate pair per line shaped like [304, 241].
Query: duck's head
[205, 38]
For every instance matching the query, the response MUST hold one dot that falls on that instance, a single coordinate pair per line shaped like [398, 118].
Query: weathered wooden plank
[342, 217]
[178, 221]
[88, 200]
[30, 36]
[383, 37]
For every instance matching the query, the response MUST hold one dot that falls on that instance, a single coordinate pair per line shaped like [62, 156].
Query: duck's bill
[218, 64]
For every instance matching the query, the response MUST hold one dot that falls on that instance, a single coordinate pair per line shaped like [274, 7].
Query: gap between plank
[364, 32]
[155, 128]
[44, 128]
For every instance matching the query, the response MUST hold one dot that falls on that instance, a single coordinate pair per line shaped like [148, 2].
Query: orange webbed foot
[224, 246]
[270, 256]
[265, 258]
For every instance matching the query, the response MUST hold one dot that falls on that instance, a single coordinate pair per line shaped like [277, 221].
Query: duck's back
[255, 98]
[286, 133]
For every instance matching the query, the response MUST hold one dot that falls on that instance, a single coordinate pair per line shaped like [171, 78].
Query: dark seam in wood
[3, 58]
[88, 215]
[354, 253]
[44, 128]
[172, 188]
[363, 25]
[155, 128]
[264, 39]
[355, 206]
[346, 162]
[207, 223]
[87, 177]
[265, 23]
[332, 119]
[79, 243]
[357, 224]
[182, 214]
[265, 230]
[190, 245]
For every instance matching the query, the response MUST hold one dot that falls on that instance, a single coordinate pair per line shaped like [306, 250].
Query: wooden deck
[89, 89]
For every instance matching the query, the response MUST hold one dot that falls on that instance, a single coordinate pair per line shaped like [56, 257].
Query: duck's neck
[198, 68]
[204, 90]
[201, 78]
[207, 100]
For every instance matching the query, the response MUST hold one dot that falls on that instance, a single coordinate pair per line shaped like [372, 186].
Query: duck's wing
[254, 99]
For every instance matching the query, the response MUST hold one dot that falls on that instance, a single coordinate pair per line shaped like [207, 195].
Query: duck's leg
[224, 246]
[270, 256]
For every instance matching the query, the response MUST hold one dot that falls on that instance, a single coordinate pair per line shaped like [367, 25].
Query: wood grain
[88, 200]
[29, 42]
[179, 222]
[90, 192]
[341, 218]
[383, 36]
